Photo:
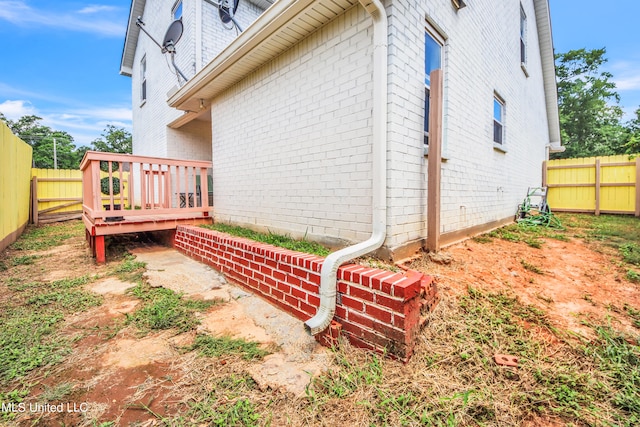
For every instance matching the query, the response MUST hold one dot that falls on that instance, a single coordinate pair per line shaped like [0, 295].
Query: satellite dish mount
[171, 38]
[227, 10]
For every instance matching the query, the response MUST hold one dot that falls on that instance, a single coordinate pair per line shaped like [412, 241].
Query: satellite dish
[172, 36]
[227, 10]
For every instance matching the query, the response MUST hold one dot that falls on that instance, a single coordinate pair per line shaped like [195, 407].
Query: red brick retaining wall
[376, 309]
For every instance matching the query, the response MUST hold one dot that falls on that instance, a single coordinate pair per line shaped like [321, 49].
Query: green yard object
[535, 210]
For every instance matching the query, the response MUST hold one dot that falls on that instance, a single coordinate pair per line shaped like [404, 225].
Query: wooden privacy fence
[56, 194]
[595, 184]
[15, 166]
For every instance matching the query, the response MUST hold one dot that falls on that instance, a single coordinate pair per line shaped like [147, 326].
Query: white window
[523, 36]
[176, 12]
[143, 79]
[498, 120]
[432, 61]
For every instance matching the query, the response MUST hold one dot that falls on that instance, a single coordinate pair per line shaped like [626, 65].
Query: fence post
[597, 187]
[34, 199]
[434, 165]
[638, 186]
[544, 173]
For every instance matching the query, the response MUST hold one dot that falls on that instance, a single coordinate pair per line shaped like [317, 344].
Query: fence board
[59, 192]
[15, 164]
[594, 184]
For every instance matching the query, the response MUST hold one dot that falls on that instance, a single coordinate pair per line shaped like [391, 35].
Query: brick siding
[377, 309]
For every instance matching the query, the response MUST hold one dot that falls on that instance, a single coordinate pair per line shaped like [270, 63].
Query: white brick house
[285, 110]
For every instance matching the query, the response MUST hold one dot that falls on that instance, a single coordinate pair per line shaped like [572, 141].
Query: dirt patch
[573, 283]
[120, 376]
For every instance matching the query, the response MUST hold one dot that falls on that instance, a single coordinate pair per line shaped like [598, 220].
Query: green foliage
[30, 320]
[590, 117]
[272, 239]
[165, 309]
[114, 140]
[24, 260]
[531, 267]
[619, 360]
[130, 270]
[42, 139]
[104, 185]
[222, 346]
[47, 236]
[240, 412]
[633, 276]
[350, 376]
[630, 253]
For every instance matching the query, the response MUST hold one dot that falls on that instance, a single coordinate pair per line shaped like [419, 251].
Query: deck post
[434, 162]
[101, 257]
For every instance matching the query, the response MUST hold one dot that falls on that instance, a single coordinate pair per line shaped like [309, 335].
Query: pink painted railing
[139, 185]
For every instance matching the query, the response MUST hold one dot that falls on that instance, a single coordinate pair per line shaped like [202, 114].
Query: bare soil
[133, 380]
[577, 281]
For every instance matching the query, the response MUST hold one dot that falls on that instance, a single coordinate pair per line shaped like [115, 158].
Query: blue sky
[61, 59]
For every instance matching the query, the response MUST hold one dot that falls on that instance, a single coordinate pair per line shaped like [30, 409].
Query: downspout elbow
[329, 271]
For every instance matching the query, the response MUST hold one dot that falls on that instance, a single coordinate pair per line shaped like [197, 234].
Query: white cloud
[13, 110]
[95, 8]
[84, 124]
[20, 13]
[626, 75]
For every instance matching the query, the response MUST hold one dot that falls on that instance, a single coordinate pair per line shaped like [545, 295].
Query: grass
[274, 239]
[531, 267]
[453, 380]
[618, 232]
[225, 404]
[47, 236]
[38, 308]
[209, 346]
[165, 309]
[24, 260]
[130, 270]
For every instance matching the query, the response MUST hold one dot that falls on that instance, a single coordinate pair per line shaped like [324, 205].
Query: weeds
[24, 260]
[532, 268]
[240, 412]
[272, 239]
[221, 346]
[630, 253]
[130, 270]
[633, 276]
[619, 360]
[633, 314]
[38, 308]
[165, 309]
[47, 236]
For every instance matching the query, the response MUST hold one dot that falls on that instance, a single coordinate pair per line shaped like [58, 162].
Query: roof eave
[251, 49]
[131, 38]
[545, 40]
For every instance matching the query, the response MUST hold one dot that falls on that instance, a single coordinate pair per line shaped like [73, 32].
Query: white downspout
[322, 319]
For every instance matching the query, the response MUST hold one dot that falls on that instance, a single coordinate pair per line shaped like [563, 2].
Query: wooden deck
[123, 193]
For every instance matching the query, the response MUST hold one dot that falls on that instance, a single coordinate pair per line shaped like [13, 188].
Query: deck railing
[125, 185]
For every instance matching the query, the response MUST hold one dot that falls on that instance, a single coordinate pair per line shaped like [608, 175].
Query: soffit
[282, 26]
[131, 38]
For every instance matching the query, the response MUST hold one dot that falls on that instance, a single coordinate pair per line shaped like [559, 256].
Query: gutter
[543, 25]
[328, 273]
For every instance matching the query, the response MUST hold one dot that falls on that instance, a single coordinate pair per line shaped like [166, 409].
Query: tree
[590, 117]
[632, 145]
[114, 140]
[42, 139]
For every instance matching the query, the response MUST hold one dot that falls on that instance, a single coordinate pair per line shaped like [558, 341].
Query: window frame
[498, 101]
[143, 80]
[177, 8]
[523, 40]
[440, 41]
